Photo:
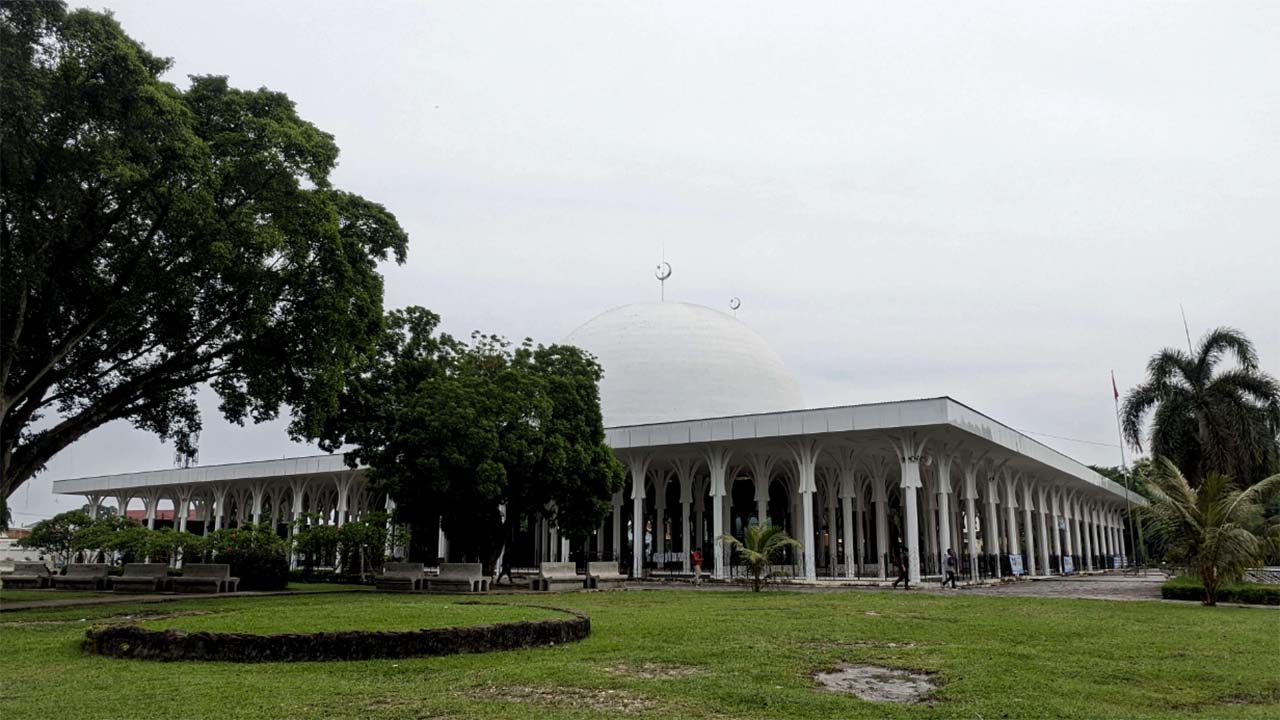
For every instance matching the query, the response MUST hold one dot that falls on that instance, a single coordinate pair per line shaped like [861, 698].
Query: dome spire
[662, 273]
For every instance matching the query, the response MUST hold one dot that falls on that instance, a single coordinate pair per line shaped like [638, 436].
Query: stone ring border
[137, 643]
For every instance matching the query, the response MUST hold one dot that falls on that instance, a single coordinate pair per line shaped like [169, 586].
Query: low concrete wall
[132, 641]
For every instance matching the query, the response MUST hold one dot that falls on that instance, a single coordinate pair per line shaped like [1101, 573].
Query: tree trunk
[424, 542]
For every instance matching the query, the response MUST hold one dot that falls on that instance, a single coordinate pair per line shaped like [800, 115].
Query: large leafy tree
[56, 536]
[479, 435]
[156, 239]
[1216, 529]
[1206, 418]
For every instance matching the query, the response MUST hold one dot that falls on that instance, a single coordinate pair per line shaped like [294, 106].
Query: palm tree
[764, 545]
[1205, 419]
[1216, 529]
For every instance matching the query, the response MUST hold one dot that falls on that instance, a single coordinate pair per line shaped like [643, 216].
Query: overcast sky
[1000, 202]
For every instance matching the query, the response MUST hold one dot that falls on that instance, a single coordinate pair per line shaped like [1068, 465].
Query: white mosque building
[716, 436]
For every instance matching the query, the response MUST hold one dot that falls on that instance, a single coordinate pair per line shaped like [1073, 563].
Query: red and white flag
[1114, 389]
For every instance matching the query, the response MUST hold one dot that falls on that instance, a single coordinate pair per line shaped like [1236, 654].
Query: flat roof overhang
[943, 420]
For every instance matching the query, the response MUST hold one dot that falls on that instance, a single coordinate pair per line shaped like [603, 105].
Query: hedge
[132, 641]
[1188, 587]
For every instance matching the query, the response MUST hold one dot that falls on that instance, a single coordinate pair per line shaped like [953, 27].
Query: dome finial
[662, 273]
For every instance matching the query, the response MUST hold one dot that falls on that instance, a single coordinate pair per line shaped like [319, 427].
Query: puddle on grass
[878, 684]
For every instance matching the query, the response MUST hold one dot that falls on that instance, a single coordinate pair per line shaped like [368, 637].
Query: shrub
[1188, 587]
[256, 555]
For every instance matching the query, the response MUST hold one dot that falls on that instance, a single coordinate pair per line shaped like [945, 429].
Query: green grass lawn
[680, 654]
[366, 611]
[23, 595]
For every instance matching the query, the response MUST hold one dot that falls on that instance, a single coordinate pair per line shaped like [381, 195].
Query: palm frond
[1222, 340]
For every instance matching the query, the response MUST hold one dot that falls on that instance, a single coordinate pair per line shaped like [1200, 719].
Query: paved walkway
[1091, 587]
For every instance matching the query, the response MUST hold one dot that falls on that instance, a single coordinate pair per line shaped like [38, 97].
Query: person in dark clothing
[952, 565]
[902, 572]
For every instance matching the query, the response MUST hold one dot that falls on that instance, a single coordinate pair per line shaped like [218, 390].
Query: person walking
[902, 571]
[952, 564]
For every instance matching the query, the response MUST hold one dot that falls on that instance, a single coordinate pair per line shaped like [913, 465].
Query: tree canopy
[1205, 418]
[156, 239]
[1216, 529]
[56, 536]
[463, 432]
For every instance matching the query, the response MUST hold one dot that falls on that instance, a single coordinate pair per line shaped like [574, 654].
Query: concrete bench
[401, 577]
[206, 578]
[602, 575]
[557, 576]
[82, 576]
[142, 578]
[32, 575]
[459, 577]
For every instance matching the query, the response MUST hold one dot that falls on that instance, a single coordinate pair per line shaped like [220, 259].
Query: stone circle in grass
[878, 684]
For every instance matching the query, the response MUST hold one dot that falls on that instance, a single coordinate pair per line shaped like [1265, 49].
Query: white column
[930, 522]
[909, 451]
[991, 526]
[970, 512]
[258, 491]
[882, 518]
[805, 453]
[1093, 537]
[686, 539]
[684, 468]
[1011, 518]
[1029, 538]
[1072, 530]
[832, 545]
[617, 525]
[717, 466]
[219, 507]
[639, 465]
[852, 546]
[181, 509]
[659, 522]
[860, 531]
[1042, 508]
[1085, 538]
[699, 521]
[944, 509]
[153, 500]
[1055, 511]
[910, 511]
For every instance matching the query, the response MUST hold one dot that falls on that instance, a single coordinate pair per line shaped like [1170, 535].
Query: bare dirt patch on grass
[864, 644]
[653, 671]
[604, 700]
[878, 684]
[111, 619]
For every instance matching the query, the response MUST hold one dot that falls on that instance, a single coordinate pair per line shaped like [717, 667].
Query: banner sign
[1068, 566]
[1015, 564]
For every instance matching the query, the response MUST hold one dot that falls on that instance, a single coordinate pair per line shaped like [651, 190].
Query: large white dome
[676, 361]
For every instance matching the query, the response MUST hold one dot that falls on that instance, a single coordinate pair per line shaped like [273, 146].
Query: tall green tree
[1207, 418]
[56, 536]
[1216, 529]
[479, 435]
[155, 239]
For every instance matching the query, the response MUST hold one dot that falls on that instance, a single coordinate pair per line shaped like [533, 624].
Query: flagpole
[1124, 468]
